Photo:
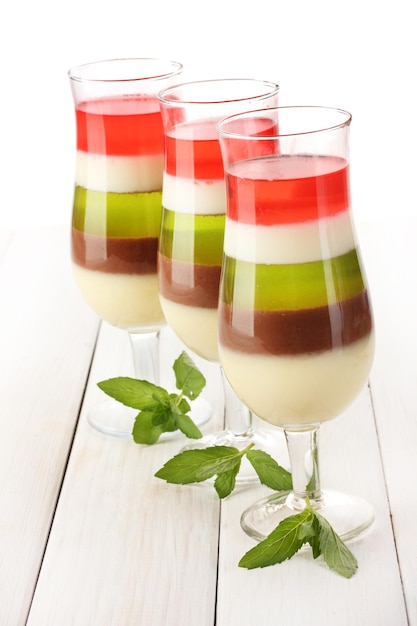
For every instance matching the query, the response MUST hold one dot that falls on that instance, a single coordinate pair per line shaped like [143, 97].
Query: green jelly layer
[135, 215]
[291, 287]
[192, 238]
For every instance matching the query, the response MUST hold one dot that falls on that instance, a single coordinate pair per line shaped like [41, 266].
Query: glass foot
[113, 418]
[348, 515]
[271, 442]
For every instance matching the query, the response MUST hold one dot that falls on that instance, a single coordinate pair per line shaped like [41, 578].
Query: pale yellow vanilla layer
[195, 326]
[125, 300]
[119, 174]
[302, 389]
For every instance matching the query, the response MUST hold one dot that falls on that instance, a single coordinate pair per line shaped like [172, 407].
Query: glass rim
[77, 73]
[230, 134]
[164, 94]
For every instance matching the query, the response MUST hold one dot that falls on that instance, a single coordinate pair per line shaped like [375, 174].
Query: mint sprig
[307, 527]
[195, 466]
[159, 410]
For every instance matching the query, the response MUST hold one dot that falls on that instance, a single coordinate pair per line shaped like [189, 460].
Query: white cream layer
[290, 243]
[119, 174]
[302, 389]
[124, 300]
[195, 326]
[200, 197]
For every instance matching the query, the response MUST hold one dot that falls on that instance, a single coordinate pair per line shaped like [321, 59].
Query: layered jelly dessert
[117, 209]
[191, 242]
[296, 336]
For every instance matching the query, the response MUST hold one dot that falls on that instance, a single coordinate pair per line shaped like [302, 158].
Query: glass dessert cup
[117, 210]
[296, 338]
[191, 241]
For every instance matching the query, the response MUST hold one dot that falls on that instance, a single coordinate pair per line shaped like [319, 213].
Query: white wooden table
[88, 535]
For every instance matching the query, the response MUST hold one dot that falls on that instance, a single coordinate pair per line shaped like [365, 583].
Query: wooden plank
[47, 336]
[6, 237]
[391, 257]
[125, 547]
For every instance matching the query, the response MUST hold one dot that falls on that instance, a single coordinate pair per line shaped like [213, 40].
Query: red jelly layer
[128, 126]
[288, 189]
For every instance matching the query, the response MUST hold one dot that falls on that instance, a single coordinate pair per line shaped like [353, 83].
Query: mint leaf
[269, 472]
[282, 543]
[223, 462]
[194, 466]
[314, 540]
[179, 404]
[335, 552]
[294, 531]
[138, 394]
[226, 481]
[188, 377]
[148, 427]
[187, 426]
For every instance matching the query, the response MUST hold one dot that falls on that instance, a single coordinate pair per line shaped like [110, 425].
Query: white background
[358, 55]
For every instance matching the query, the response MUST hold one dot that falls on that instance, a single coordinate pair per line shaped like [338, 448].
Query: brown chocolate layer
[188, 283]
[296, 332]
[115, 255]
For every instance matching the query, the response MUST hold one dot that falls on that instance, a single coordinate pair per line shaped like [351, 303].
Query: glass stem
[237, 417]
[145, 348]
[303, 451]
